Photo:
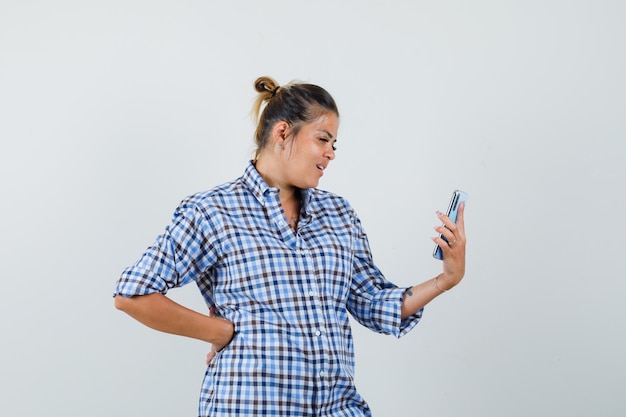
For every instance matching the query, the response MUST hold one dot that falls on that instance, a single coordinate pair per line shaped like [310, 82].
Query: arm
[453, 266]
[161, 313]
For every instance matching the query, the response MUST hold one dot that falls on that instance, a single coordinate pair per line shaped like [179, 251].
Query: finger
[446, 221]
[460, 220]
[445, 247]
[446, 234]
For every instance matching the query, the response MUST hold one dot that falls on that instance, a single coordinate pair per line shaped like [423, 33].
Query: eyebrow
[330, 135]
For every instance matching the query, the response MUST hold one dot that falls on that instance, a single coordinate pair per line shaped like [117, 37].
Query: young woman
[280, 264]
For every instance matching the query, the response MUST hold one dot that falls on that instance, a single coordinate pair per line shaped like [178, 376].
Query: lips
[321, 168]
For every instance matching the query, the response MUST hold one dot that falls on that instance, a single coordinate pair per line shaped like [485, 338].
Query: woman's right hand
[223, 331]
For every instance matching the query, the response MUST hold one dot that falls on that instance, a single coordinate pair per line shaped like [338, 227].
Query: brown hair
[295, 103]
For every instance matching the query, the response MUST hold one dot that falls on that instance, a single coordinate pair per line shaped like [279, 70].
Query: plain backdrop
[113, 111]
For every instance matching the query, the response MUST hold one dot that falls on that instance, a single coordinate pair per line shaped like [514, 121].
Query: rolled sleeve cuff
[134, 282]
[390, 313]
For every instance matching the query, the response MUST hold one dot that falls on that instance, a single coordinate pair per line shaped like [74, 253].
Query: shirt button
[318, 333]
[322, 374]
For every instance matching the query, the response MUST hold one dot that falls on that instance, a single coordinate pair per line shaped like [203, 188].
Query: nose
[330, 154]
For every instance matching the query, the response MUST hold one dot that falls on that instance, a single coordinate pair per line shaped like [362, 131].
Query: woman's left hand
[453, 250]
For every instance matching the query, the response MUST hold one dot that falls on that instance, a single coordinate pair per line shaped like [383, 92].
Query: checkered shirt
[288, 294]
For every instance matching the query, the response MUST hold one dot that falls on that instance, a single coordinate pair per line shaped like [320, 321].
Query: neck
[272, 177]
[290, 196]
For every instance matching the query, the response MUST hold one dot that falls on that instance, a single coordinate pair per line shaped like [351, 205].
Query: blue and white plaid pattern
[288, 294]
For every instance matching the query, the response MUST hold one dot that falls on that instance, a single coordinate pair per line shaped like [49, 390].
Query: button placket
[314, 296]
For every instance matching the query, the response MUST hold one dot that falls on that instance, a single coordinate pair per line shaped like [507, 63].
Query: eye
[325, 140]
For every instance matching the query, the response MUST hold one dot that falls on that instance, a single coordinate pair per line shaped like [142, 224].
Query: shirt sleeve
[374, 301]
[179, 256]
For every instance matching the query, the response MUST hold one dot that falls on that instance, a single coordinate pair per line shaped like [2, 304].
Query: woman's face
[310, 151]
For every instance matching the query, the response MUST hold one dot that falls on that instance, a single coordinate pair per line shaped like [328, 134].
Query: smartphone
[457, 198]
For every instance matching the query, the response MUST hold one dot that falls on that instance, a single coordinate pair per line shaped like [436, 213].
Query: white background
[112, 111]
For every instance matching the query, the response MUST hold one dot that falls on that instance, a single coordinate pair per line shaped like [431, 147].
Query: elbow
[121, 302]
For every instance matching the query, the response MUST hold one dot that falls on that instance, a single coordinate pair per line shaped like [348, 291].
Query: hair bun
[266, 85]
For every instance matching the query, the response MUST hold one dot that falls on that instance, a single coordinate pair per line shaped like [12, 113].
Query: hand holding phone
[457, 198]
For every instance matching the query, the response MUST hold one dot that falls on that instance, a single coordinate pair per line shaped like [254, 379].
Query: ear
[279, 132]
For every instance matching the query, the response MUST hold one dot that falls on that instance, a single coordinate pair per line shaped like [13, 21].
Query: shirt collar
[255, 183]
[259, 188]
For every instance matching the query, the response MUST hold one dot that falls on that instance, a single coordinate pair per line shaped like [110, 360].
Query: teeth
[320, 167]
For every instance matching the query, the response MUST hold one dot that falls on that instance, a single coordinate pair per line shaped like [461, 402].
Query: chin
[309, 184]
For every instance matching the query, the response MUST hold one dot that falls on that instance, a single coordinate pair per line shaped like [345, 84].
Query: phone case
[457, 198]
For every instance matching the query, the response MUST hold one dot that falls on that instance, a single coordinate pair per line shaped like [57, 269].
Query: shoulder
[221, 198]
[327, 196]
[326, 200]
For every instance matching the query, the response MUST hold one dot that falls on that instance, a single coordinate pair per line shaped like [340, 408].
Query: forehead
[327, 122]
